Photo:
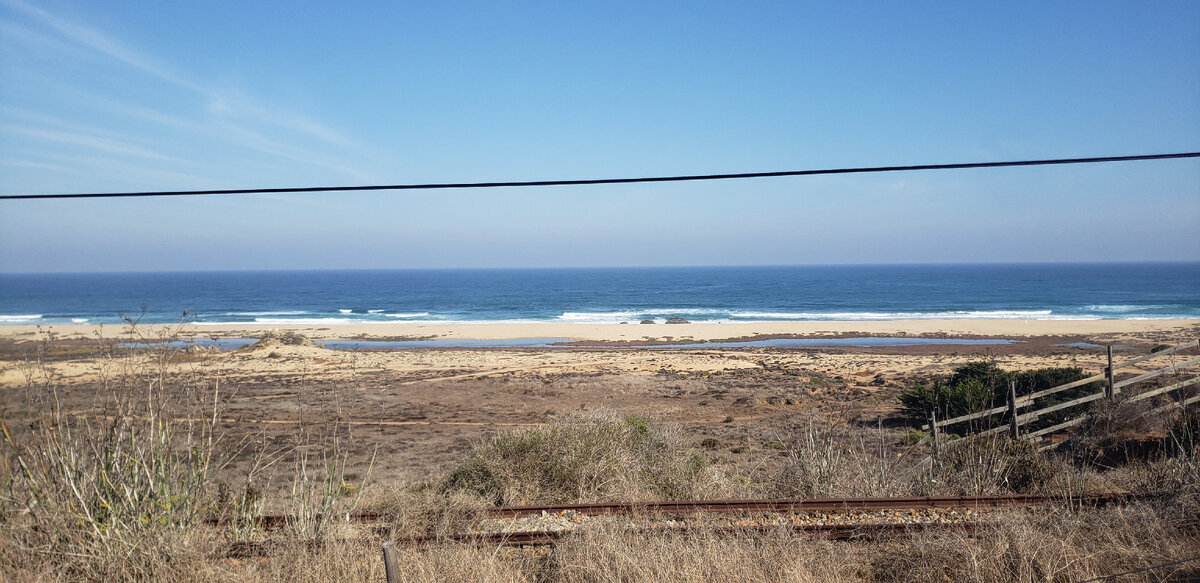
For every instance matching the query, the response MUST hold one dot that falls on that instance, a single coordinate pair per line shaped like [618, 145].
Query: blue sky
[197, 95]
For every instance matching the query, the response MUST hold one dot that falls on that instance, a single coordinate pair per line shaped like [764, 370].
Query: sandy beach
[1114, 330]
[473, 388]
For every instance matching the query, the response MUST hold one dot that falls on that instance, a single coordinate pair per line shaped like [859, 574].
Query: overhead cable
[587, 181]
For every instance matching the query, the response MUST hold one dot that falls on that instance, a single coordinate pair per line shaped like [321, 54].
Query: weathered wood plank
[1068, 404]
[1183, 403]
[1059, 427]
[1014, 427]
[1060, 388]
[1157, 373]
[391, 563]
[987, 413]
[1166, 389]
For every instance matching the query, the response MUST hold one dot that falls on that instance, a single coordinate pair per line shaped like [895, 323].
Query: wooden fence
[1112, 388]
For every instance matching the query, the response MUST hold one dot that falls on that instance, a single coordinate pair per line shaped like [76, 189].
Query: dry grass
[701, 556]
[1053, 545]
[587, 457]
[826, 459]
[120, 493]
[1018, 546]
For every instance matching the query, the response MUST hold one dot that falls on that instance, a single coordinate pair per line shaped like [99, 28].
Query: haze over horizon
[604, 267]
[142, 96]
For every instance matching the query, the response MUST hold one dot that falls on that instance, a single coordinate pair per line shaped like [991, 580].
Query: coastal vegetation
[148, 482]
[980, 385]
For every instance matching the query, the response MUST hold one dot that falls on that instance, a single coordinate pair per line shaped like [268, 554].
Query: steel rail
[248, 549]
[804, 505]
[832, 531]
[767, 505]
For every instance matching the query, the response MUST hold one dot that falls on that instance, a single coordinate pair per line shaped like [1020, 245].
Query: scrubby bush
[913, 437]
[972, 387]
[992, 465]
[585, 457]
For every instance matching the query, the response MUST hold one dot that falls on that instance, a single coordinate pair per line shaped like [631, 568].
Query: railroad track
[810, 504]
[242, 550]
[761, 506]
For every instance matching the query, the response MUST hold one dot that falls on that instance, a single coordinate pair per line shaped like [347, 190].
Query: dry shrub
[118, 489]
[110, 493]
[468, 564]
[295, 562]
[618, 556]
[1048, 545]
[356, 562]
[586, 457]
[826, 459]
[991, 465]
[1118, 431]
[30, 553]
[424, 511]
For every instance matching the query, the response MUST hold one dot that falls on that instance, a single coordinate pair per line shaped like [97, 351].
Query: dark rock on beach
[678, 321]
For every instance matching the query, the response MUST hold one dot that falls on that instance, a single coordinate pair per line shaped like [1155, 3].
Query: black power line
[609, 180]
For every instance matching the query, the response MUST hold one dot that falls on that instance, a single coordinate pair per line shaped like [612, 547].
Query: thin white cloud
[253, 139]
[95, 40]
[235, 105]
[88, 141]
[18, 163]
[127, 172]
[245, 122]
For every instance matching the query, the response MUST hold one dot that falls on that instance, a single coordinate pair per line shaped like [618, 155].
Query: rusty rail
[767, 505]
[242, 550]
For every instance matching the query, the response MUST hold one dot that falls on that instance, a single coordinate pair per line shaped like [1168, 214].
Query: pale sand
[420, 365]
[639, 332]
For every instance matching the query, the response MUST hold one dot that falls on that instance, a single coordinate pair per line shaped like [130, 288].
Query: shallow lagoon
[866, 342]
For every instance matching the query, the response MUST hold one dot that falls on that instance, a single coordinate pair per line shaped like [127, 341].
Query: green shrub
[773, 444]
[1045, 378]
[947, 397]
[976, 386]
[913, 437]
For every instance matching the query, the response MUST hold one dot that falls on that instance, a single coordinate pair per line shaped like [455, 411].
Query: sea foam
[19, 318]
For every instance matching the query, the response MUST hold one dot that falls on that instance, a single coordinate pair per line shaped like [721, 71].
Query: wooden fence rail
[1112, 387]
[1027, 400]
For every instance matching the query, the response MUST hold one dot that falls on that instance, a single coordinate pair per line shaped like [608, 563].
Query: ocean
[611, 295]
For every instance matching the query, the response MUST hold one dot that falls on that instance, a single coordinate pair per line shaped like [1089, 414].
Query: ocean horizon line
[616, 267]
[612, 295]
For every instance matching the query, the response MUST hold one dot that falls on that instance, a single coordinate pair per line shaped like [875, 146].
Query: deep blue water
[1039, 291]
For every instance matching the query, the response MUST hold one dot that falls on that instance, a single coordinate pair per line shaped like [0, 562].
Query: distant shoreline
[623, 333]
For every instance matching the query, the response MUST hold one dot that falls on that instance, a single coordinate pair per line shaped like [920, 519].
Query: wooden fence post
[934, 432]
[391, 563]
[1012, 410]
[1109, 391]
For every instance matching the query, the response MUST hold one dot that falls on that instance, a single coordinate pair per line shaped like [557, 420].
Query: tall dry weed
[105, 489]
[827, 459]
